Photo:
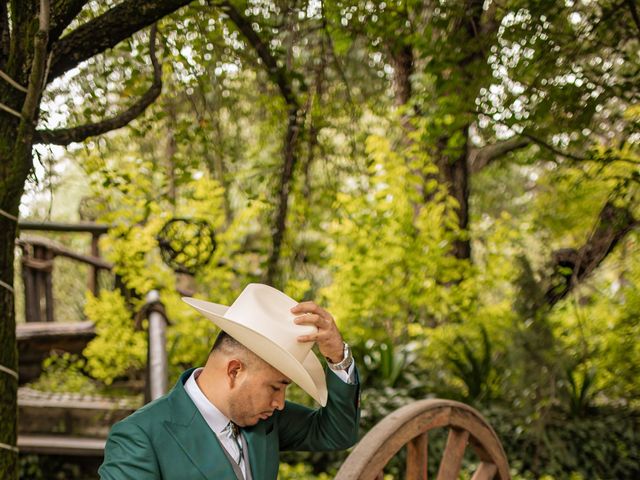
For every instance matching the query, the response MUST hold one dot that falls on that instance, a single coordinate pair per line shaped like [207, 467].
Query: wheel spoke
[453, 453]
[486, 471]
[417, 457]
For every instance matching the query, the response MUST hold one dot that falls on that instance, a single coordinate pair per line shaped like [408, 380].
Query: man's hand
[327, 337]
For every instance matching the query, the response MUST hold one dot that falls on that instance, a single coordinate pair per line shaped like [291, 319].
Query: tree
[283, 78]
[479, 85]
[41, 42]
[378, 139]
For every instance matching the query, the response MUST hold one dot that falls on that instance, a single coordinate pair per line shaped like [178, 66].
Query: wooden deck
[68, 423]
[51, 423]
[54, 423]
[61, 445]
[36, 340]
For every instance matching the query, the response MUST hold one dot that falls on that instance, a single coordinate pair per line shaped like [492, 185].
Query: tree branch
[107, 30]
[286, 178]
[570, 266]
[334, 56]
[12, 82]
[277, 74]
[36, 83]
[577, 158]
[552, 149]
[63, 12]
[65, 136]
[489, 21]
[283, 79]
[634, 13]
[480, 158]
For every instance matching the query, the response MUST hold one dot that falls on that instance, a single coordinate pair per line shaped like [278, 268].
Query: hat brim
[308, 375]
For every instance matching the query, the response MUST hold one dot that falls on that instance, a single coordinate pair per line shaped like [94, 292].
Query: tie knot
[233, 429]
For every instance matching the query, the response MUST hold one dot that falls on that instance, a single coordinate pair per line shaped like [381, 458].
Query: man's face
[256, 393]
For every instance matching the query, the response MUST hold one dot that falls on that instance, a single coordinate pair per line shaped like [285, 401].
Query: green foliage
[44, 467]
[474, 368]
[580, 391]
[372, 216]
[388, 240]
[189, 335]
[599, 331]
[602, 445]
[387, 364]
[299, 471]
[133, 198]
[582, 190]
[118, 348]
[390, 377]
[64, 373]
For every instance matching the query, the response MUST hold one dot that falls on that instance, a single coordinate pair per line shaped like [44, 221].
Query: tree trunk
[454, 169]
[454, 173]
[15, 165]
[402, 70]
[290, 160]
[27, 49]
[282, 78]
[13, 174]
[8, 351]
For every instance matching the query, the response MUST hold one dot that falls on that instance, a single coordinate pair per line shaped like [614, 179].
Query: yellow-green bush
[117, 348]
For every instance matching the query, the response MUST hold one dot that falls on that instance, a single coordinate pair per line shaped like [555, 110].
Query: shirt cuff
[348, 375]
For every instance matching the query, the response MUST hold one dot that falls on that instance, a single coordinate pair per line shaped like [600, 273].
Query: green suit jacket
[168, 439]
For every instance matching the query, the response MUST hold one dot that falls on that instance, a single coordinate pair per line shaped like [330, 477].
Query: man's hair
[227, 345]
[225, 342]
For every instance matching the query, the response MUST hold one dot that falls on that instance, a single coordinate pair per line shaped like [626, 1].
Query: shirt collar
[214, 417]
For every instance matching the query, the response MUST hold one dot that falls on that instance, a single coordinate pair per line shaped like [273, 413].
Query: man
[230, 420]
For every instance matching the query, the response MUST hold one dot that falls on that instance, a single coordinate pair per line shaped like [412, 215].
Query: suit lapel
[194, 436]
[257, 446]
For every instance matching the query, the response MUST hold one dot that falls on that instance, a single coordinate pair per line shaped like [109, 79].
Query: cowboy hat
[261, 319]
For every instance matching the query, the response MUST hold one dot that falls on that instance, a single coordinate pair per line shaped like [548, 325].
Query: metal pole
[158, 365]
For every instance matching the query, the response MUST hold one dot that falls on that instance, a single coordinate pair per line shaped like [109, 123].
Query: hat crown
[268, 311]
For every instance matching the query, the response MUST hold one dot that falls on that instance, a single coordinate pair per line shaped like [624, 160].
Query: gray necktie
[234, 431]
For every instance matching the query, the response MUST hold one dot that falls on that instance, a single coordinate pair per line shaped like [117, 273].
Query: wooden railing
[38, 255]
[41, 420]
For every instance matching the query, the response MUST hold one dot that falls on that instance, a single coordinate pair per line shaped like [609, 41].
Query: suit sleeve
[333, 427]
[129, 455]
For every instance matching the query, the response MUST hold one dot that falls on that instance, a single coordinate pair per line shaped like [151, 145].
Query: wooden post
[48, 285]
[93, 272]
[38, 286]
[29, 285]
[40, 267]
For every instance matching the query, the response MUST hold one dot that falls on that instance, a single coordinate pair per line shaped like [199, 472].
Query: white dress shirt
[215, 418]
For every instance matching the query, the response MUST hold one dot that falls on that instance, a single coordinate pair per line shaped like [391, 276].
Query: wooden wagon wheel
[410, 425]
